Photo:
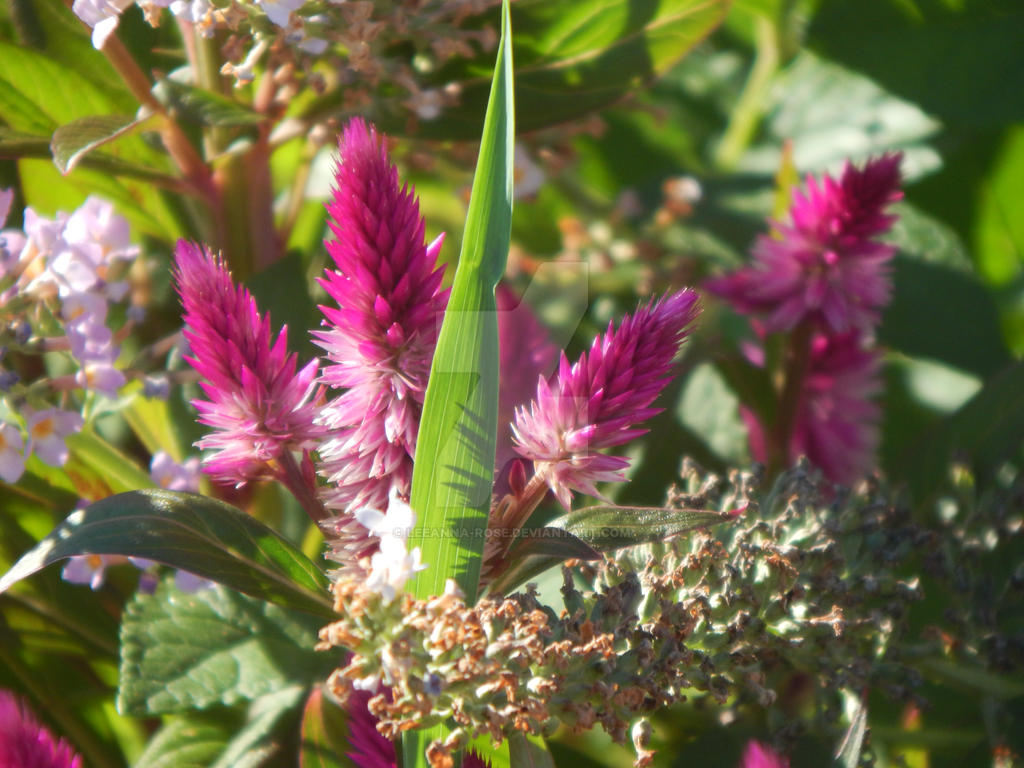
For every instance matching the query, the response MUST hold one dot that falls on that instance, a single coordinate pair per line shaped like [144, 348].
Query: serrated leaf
[256, 742]
[185, 742]
[609, 527]
[184, 651]
[324, 733]
[73, 141]
[191, 532]
[453, 472]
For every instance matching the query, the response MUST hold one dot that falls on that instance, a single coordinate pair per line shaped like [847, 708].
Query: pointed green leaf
[260, 737]
[215, 646]
[529, 752]
[72, 141]
[197, 105]
[453, 473]
[191, 532]
[609, 527]
[554, 542]
[324, 734]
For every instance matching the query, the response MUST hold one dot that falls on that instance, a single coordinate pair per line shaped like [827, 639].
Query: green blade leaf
[324, 732]
[453, 473]
[554, 542]
[216, 646]
[195, 533]
[609, 527]
[72, 141]
[529, 752]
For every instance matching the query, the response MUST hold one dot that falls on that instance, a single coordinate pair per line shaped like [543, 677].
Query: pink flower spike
[758, 755]
[825, 265]
[526, 353]
[601, 400]
[258, 404]
[24, 743]
[380, 337]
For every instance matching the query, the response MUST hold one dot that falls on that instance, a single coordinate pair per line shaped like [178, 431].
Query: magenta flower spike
[24, 743]
[380, 338]
[257, 404]
[600, 400]
[758, 755]
[825, 265]
[837, 419]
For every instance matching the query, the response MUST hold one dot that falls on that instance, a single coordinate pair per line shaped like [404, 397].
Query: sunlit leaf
[191, 532]
[72, 141]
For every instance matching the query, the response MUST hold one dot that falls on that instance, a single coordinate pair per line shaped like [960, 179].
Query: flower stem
[798, 356]
[298, 482]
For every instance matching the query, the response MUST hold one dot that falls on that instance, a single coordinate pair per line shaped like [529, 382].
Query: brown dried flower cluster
[801, 586]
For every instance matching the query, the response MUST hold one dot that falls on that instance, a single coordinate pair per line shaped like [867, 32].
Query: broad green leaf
[324, 734]
[216, 646]
[189, 741]
[947, 298]
[802, 110]
[191, 532]
[609, 527]
[709, 408]
[257, 740]
[197, 105]
[910, 42]
[572, 59]
[19, 144]
[984, 433]
[453, 473]
[73, 141]
[529, 752]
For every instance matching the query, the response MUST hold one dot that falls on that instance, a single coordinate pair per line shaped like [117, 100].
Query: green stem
[746, 114]
[798, 358]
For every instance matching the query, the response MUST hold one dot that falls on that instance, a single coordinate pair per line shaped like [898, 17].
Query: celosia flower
[12, 455]
[380, 339]
[24, 743]
[525, 353]
[825, 265]
[600, 400]
[837, 418]
[758, 755]
[258, 404]
[47, 430]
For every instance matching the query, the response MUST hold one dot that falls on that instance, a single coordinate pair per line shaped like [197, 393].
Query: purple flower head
[825, 265]
[380, 338]
[758, 755]
[600, 401]
[24, 743]
[258, 404]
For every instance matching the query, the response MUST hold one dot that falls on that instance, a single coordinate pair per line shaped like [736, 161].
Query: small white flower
[392, 566]
[101, 15]
[397, 523]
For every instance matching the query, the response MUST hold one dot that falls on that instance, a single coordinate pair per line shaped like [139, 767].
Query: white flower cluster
[393, 564]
